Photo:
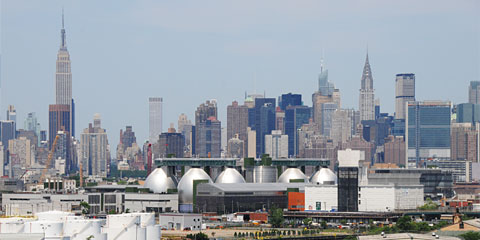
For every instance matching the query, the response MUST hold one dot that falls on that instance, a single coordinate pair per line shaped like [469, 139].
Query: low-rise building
[180, 221]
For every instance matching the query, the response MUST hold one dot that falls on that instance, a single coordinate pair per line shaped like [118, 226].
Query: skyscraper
[427, 133]
[237, 122]
[7, 132]
[63, 80]
[208, 138]
[474, 92]
[367, 98]
[204, 112]
[289, 99]
[95, 154]
[127, 138]
[326, 94]
[263, 121]
[155, 118]
[404, 92]
[58, 120]
[186, 128]
[276, 145]
[325, 87]
[295, 117]
[12, 114]
[31, 124]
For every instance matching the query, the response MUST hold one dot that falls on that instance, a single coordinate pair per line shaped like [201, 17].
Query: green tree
[276, 217]
[471, 235]
[307, 221]
[324, 224]
[343, 222]
[429, 205]
[198, 236]
[405, 223]
[235, 235]
[85, 207]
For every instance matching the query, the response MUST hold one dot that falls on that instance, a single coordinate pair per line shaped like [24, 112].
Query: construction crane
[49, 160]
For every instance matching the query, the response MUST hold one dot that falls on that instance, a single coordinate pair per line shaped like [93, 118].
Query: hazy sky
[189, 51]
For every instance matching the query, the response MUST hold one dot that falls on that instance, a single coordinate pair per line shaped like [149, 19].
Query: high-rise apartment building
[295, 117]
[22, 151]
[341, 130]
[427, 135]
[171, 144]
[404, 92]
[276, 145]
[95, 154]
[208, 138]
[127, 137]
[155, 105]
[58, 120]
[327, 113]
[395, 150]
[235, 148]
[63, 82]
[367, 98]
[464, 142]
[204, 112]
[237, 122]
[474, 92]
[186, 128]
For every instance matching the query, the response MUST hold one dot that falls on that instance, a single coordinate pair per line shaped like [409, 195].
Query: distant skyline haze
[123, 52]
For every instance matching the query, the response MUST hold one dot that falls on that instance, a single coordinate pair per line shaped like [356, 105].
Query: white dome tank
[159, 182]
[230, 175]
[292, 174]
[324, 176]
[185, 186]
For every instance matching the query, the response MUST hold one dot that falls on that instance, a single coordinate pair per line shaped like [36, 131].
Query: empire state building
[63, 75]
[62, 114]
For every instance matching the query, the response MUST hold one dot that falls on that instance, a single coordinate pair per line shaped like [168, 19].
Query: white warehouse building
[371, 198]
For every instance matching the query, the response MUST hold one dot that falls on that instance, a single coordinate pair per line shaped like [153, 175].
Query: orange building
[296, 201]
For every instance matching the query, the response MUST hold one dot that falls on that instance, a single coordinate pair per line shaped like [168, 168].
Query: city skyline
[345, 65]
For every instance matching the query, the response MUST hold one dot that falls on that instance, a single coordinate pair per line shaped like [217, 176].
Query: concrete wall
[326, 195]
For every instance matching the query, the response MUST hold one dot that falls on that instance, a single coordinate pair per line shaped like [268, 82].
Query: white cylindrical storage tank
[53, 216]
[292, 174]
[51, 229]
[83, 228]
[154, 232]
[13, 225]
[146, 219]
[264, 174]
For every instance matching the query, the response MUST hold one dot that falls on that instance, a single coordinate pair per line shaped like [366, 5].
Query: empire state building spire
[366, 98]
[64, 40]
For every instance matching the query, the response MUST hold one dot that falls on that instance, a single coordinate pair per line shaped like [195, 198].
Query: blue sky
[189, 51]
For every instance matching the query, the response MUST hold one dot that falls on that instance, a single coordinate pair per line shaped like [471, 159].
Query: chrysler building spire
[367, 99]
